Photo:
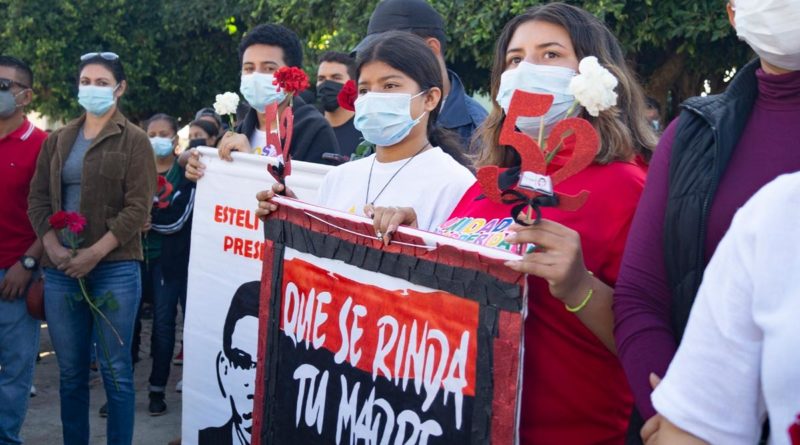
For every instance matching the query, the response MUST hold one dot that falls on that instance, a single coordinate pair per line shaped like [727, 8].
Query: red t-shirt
[574, 389]
[18, 153]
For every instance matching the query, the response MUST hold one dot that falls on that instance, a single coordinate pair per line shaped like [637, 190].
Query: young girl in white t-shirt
[416, 164]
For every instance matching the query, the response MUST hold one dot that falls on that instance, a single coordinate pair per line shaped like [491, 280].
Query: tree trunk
[663, 80]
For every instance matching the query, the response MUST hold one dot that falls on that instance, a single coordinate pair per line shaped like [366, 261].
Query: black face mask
[200, 142]
[328, 92]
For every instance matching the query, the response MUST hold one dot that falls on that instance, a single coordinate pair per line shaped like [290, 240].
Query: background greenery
[179, 54]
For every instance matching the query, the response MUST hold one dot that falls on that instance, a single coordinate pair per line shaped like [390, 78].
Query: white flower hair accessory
[594, 86]
[226, 103]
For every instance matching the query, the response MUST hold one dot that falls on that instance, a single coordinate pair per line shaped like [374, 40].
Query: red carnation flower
[291, 79]
[794, 431]
[58, 220]
[75, 222]
[347, 96]
[162, 181]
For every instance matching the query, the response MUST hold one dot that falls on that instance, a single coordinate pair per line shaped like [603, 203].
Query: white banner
[226, 249]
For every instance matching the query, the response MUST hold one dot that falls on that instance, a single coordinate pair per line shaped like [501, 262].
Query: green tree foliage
[179, 54]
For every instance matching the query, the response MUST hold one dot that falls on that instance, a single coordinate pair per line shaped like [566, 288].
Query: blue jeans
[19, 345]
[165, 292]
[71, 323]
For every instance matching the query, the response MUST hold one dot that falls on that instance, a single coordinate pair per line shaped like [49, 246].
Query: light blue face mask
[161, 146]
[95, 99]
[259, 91]
[541, 79]
[385, 118]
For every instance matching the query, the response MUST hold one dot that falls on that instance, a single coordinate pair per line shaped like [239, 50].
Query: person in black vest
[264, 50]
[710, 161]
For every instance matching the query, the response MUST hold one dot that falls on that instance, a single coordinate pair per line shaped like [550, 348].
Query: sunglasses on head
[105, 55]
[5, 84]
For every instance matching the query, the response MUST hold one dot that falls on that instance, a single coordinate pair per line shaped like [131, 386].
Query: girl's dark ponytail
[450, 143]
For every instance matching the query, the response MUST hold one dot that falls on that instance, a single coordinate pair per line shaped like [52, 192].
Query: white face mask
[772, 29]
[541, 79]
[259, 91]
[385, 118]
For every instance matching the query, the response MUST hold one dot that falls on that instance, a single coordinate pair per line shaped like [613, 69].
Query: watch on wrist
[28, 262]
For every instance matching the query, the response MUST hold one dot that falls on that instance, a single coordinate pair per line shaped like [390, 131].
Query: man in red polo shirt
[20, 142]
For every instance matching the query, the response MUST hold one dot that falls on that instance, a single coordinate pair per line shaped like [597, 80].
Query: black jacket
[175, 223]
[708, 131]
[312, 135]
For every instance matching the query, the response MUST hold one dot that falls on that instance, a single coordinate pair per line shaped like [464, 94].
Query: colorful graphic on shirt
[479, 231]
[266, 151]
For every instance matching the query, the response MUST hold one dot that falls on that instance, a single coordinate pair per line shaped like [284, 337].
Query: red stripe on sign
[400, 335]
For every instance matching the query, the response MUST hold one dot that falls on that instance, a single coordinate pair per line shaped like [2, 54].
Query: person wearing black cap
[460, 113]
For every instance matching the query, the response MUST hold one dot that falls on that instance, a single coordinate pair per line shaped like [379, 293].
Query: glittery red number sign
[285, 127]
[586, 143]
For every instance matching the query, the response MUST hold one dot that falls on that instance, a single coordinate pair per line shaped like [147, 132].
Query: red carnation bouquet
[69, 226]
[291, 80]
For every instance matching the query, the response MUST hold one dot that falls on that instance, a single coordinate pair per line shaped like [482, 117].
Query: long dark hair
[623, 129]
[410, 55]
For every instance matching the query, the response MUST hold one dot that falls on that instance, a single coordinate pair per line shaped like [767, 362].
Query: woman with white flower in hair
[574, 390]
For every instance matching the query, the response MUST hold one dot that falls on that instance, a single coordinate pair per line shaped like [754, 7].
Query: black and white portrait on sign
[236, 369]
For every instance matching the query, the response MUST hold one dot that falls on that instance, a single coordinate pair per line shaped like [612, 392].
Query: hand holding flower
[82, 263]
[57, 253]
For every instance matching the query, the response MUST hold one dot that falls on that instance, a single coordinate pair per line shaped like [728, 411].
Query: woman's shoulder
[72, 125]
[438, 160]
[349, 168]
[617, 174]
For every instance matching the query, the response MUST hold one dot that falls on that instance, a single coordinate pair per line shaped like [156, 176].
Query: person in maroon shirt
[710, 160]
[20, 143]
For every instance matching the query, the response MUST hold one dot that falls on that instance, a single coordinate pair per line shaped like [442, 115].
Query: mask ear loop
[416, 121]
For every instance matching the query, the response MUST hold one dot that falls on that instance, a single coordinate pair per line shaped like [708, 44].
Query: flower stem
[541, 134]
[97, 310]
[102, 339]
[572, 108]
[552, 154]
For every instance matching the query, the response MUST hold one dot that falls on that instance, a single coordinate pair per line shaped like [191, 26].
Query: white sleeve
[712, 387]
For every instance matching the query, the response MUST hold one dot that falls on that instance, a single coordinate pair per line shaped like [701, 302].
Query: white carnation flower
[594, 86]
[226, 103]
